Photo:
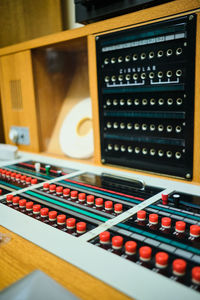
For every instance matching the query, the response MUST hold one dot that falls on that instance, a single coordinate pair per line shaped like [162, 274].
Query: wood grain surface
[19, 257]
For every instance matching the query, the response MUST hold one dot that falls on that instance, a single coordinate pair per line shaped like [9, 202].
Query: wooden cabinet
[51, 74]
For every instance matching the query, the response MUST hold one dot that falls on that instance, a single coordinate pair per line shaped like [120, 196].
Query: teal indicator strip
[18, 169]
[81, 211]
[160, 238]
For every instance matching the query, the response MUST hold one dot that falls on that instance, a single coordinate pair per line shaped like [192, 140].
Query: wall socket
[19, 135]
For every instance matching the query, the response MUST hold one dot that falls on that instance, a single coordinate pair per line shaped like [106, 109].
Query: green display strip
[10, 185]
[160, 238]
[70, 207]
[144, 35]
[146, 139]
[145, 114]
[143, 89]
[29, 172]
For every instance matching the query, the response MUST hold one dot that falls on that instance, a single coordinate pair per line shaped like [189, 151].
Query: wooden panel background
[23, 20]
[18, 67]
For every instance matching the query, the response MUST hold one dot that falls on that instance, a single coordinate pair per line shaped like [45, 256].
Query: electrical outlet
[19, 135]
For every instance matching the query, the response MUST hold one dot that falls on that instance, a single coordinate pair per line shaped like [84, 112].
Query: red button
[44, 212]
[145, 252]
[29, 205]
[104, 237]
[15, 199]
[66, 192]
[81, 197]
[130, 247]
[46, 186]
[117, 241]
[59, 189]
[61, 219]
[164, 199]
[81, 227]
[23, 178]
[166, 222]
[36, 207]
[34, 181]
[180, 226]
[28, 179]
[0, 192]
[196, 274]
[18, 176]
[108, 205]
[153, 218]
[74, 194]
[179, 266]
[13, 175]
[90, 199]
[52, 215]
[141, 215]
[118, 208]
[9, 198]
[52, 187]
[162, 258]
[8, 173]
[99, 202]
[71, 222]
[195, 230]
[22, 203]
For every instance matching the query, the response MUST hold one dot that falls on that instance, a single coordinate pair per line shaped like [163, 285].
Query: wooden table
[19, 257]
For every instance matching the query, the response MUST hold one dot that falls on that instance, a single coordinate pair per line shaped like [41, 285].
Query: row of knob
[144, 127]
[142, 56]
[17, 178]
[166, 225]
[142, 76]
[152, 101]
[144, 151]
[129, 251]
[43, 214]
[82, 198]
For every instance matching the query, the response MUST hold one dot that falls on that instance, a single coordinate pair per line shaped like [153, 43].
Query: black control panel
[146, 96]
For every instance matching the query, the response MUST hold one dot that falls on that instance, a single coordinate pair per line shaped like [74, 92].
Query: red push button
[71, 222]
[81, 227]
[130, 247]
[99, 202]
[81, 197]
[34, 181]
[28, 180]
[117, 242]
[52, 188]
[180, 226]
[145, 253]
[166, 222]
[52, 215]
[164, 199]
[104, 237]
[90, 199]
[141, 215]
[46, 186]
[161, 259]
[66, 192]
[195, 230]
[15, 200]
[179, 267]
[29, 205]
[196, 275]
[9, 198]
[108, 205]
[44, 212]
[59, 190]
[153, 218]
[36, 208]
[74, 195]
[23, 178]
[118, 208]
[22, 203]
[61, 219]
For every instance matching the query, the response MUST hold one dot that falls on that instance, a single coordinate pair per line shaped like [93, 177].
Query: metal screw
[185, 44]
[97, 37]
[188, 176]
[191, 17]
[103, 161]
